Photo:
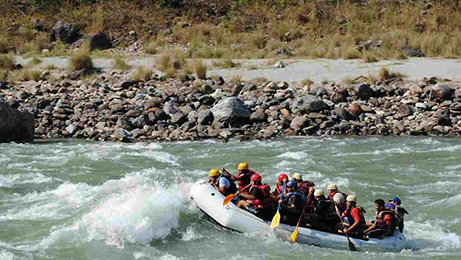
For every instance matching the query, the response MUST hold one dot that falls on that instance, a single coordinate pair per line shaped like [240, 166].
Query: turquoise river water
[89, 200]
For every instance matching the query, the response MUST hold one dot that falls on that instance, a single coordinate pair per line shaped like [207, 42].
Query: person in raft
[292, 205]
[354, 218]
[244, 174]
[394, 204]
[384, 224]
[275, 195]
[258, 199]
[221, 182]
[332, 191]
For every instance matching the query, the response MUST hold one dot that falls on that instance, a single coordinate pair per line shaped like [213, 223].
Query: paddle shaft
[281, 196]
[351, 245]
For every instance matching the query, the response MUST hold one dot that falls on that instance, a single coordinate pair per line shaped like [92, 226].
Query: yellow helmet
[297, 176]
[214, 173]
[332, 186]
[351, 198]
[318, 193]
[243, 166]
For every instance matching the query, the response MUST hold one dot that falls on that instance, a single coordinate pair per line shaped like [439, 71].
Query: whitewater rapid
[131, 201]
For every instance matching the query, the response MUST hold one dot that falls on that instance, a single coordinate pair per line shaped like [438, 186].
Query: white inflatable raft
[209, 201]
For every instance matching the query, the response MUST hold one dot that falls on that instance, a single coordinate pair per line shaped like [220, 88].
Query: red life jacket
[304, 188]
[330, 197]
[266, 202]
[278, 189]
[245, 178]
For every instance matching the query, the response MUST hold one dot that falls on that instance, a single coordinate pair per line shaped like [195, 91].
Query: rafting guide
[296, 210]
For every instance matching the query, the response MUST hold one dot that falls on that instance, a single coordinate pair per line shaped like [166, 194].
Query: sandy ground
[300, 69]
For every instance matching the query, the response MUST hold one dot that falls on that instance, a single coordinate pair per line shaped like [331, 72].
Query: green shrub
[6, 62]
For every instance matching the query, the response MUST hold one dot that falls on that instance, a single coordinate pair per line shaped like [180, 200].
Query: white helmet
[338, 198]
[318, 193]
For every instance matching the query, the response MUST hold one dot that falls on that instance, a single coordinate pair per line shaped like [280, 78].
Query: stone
[71, 129]
[308, 103]
[161, 115]
[364, 91]
[299, 122]
[15, 125]
[405, 110]
[343, 113]
[65, 32]
[122, 135]
[443, 91]
[179, 118]
[355, 110]
[259, 116]
[279, 65]
[231, 110]
[412, 52]
[205, 117]
[133, 113]
[152, 102]
[170, 109]
[100, 41]
[100, 125]
[206, 100]
[421, 105]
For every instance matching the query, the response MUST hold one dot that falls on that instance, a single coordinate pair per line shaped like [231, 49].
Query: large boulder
[100, 41]
[231, 110]
[15, 125]
[65, 32]
[308, 103]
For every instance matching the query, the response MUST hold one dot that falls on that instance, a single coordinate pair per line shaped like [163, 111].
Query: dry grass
[307, 82]
[142, 74]
[6, 62]
[4, 74]
[385, 74]
[80, 60]
[252, 29]
[24, 75]
[369, 57]
[120, 64]
[226, 64]
[34, 62]
[200, 69]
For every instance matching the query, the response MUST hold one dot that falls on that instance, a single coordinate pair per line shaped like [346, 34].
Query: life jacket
[380, 218]
[330, 197]
[297, 193]
[330, 212]
[266, 202]
[278, 189]
[304, 188]
[231, 189]
[363, 225]
[245, 178]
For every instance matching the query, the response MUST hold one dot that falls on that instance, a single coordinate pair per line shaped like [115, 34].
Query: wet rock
[65, 32]
[15, 125]
[71, 129]
[100, 41]
[364, 91]
[122, 135]
[231, 110]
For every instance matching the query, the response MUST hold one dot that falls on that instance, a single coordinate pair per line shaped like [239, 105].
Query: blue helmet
[292, 184]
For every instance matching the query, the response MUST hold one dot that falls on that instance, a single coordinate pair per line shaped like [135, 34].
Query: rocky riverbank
[114, 107]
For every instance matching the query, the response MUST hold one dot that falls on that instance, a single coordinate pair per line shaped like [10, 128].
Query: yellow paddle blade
[275, 220]
[228, 199]
[294, 235]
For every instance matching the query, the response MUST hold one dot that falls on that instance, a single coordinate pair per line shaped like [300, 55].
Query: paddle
[294, 235]
[230, 197]
[351, 245]
[276, 219]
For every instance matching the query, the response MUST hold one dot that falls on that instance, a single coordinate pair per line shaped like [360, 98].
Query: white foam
[191, 234]
[4, 182]
[293, 155]
[5, 255]
[431, 235]
[133, 209]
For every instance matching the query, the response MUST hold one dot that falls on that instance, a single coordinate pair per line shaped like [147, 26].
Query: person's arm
[373, 226]
[230, 175]
[223, 185]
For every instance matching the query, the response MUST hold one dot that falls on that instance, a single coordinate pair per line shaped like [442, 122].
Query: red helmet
[255, 177]
[282, 176]
[387, 217]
